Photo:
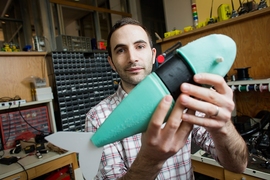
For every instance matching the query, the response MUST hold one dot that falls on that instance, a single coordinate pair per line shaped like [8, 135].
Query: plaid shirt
[118, 157]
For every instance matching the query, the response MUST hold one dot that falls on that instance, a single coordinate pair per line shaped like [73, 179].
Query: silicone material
[203, 54]
[133, 113]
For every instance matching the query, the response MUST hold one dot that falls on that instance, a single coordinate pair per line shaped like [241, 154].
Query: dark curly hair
[123, 22]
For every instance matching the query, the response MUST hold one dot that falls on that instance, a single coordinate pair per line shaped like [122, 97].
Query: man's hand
[217, 104]
[160, 141]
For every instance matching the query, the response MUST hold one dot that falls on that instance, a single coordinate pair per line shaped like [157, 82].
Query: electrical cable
[7, 99]
[9, 124]
[27, 121]
[24, 170]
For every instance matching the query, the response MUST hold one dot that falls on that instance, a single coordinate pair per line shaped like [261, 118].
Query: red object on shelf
[101, 45]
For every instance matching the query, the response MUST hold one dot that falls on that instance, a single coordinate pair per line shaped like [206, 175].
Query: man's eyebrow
[140, 41]
[118, 45]
[122, 45]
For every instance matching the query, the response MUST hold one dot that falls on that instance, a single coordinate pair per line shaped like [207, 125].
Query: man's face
[132, 57]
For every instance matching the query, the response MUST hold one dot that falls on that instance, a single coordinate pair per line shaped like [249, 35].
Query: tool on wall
[262, 4]
[211, 19]
[39, 43]
[241, 10]
[234, 12]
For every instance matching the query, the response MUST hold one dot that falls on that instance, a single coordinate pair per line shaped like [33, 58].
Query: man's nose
[133, 55]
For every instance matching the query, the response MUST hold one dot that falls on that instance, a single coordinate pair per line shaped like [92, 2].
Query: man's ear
[111, 63]
[154, 53]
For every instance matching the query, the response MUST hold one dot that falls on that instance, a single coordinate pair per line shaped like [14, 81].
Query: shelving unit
[79, 81]
[248, 82]
[15, 68]
[259, 85]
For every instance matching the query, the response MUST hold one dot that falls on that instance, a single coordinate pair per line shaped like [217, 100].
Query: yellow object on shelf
[200, 24]
[166, 34]
[224, 12]
[172, 33]
[188, 28]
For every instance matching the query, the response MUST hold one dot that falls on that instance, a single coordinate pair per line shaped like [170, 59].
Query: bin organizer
[15, 123]
[80, 81]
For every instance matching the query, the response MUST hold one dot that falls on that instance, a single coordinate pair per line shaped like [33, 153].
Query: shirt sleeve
[203, 139]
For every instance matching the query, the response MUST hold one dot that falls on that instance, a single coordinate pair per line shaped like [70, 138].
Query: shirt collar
[121, 93]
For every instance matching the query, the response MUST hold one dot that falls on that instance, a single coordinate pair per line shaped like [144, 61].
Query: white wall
[178, 14]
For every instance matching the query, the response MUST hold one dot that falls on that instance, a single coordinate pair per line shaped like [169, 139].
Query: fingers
[203, 121]
[159, 115]
[217, 104]
[174, 130]
[186, 127]
[210, 109]
[207, 100]
[214, 80]
[175, 125]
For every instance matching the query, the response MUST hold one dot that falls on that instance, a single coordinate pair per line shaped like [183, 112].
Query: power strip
[11, 103]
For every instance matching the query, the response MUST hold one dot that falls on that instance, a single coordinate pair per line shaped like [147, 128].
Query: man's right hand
[160, 141]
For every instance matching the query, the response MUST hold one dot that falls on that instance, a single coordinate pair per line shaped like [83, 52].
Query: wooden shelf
[26, 104]
[238, 19]
[23, 53]
[249, 82]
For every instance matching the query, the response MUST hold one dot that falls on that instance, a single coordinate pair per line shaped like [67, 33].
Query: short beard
[132, 81]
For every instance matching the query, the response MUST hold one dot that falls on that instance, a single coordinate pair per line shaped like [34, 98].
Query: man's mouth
[134, 69]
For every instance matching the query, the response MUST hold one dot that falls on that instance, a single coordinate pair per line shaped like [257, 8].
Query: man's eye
[140, 46]
[120, 51]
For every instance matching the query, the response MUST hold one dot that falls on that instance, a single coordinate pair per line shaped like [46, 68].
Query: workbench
[37, 167]
[206, 165]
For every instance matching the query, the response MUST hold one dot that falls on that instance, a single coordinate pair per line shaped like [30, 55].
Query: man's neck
[127, 87]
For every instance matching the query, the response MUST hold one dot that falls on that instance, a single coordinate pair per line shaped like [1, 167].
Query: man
[163, 151]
